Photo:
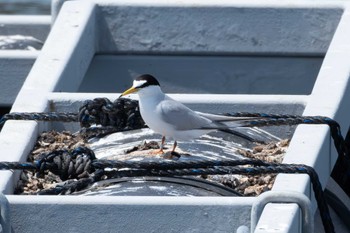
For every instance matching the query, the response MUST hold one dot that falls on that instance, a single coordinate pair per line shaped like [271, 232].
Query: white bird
[171, 118]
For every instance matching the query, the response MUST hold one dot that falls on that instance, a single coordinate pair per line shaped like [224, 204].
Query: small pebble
[249, 191]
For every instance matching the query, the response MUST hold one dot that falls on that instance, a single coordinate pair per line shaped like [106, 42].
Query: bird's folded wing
[222, 118]
[181, 117]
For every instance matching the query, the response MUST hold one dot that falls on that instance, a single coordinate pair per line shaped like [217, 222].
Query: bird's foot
[157, 152]
[173, 155]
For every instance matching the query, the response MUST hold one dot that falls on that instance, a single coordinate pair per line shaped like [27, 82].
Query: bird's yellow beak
[129, 91]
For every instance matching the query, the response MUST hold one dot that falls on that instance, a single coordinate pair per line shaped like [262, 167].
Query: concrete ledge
[129, 214]
[86, 28]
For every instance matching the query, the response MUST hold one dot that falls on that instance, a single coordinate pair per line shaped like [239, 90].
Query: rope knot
[122, 113]
[68, 165]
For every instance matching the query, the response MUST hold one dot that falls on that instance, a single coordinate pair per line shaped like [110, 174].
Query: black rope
[257, 115]
[65, 164]
[276, 120]
[72, 186]
[182, 164]
[122, 113]
[17, 166]
[40, 116]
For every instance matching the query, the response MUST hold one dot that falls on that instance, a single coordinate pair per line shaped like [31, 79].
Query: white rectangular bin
[119, 38]
[16, 64]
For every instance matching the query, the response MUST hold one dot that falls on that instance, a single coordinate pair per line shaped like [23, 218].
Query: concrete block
[96, 34]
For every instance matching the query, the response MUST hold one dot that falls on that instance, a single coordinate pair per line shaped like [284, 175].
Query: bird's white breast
[150, 98]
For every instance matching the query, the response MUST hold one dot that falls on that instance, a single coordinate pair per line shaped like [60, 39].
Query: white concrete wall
[84, 28]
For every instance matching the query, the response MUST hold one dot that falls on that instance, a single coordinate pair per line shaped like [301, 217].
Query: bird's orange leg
[162, 145]
[160, 151]
[174, 146]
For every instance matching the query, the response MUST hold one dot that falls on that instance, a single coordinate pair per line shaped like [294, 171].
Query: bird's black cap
[150, 80]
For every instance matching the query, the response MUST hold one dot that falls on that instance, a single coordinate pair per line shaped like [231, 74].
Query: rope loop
[67, 165]
[123, 114]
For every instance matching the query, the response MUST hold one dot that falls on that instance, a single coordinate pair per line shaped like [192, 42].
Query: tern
[172, 119]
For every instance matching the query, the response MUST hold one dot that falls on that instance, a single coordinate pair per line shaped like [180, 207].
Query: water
[25, 7]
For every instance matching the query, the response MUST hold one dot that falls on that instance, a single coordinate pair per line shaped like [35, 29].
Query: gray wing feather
[182, 117]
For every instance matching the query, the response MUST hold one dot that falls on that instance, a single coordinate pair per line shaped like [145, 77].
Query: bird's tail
[241, 135]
